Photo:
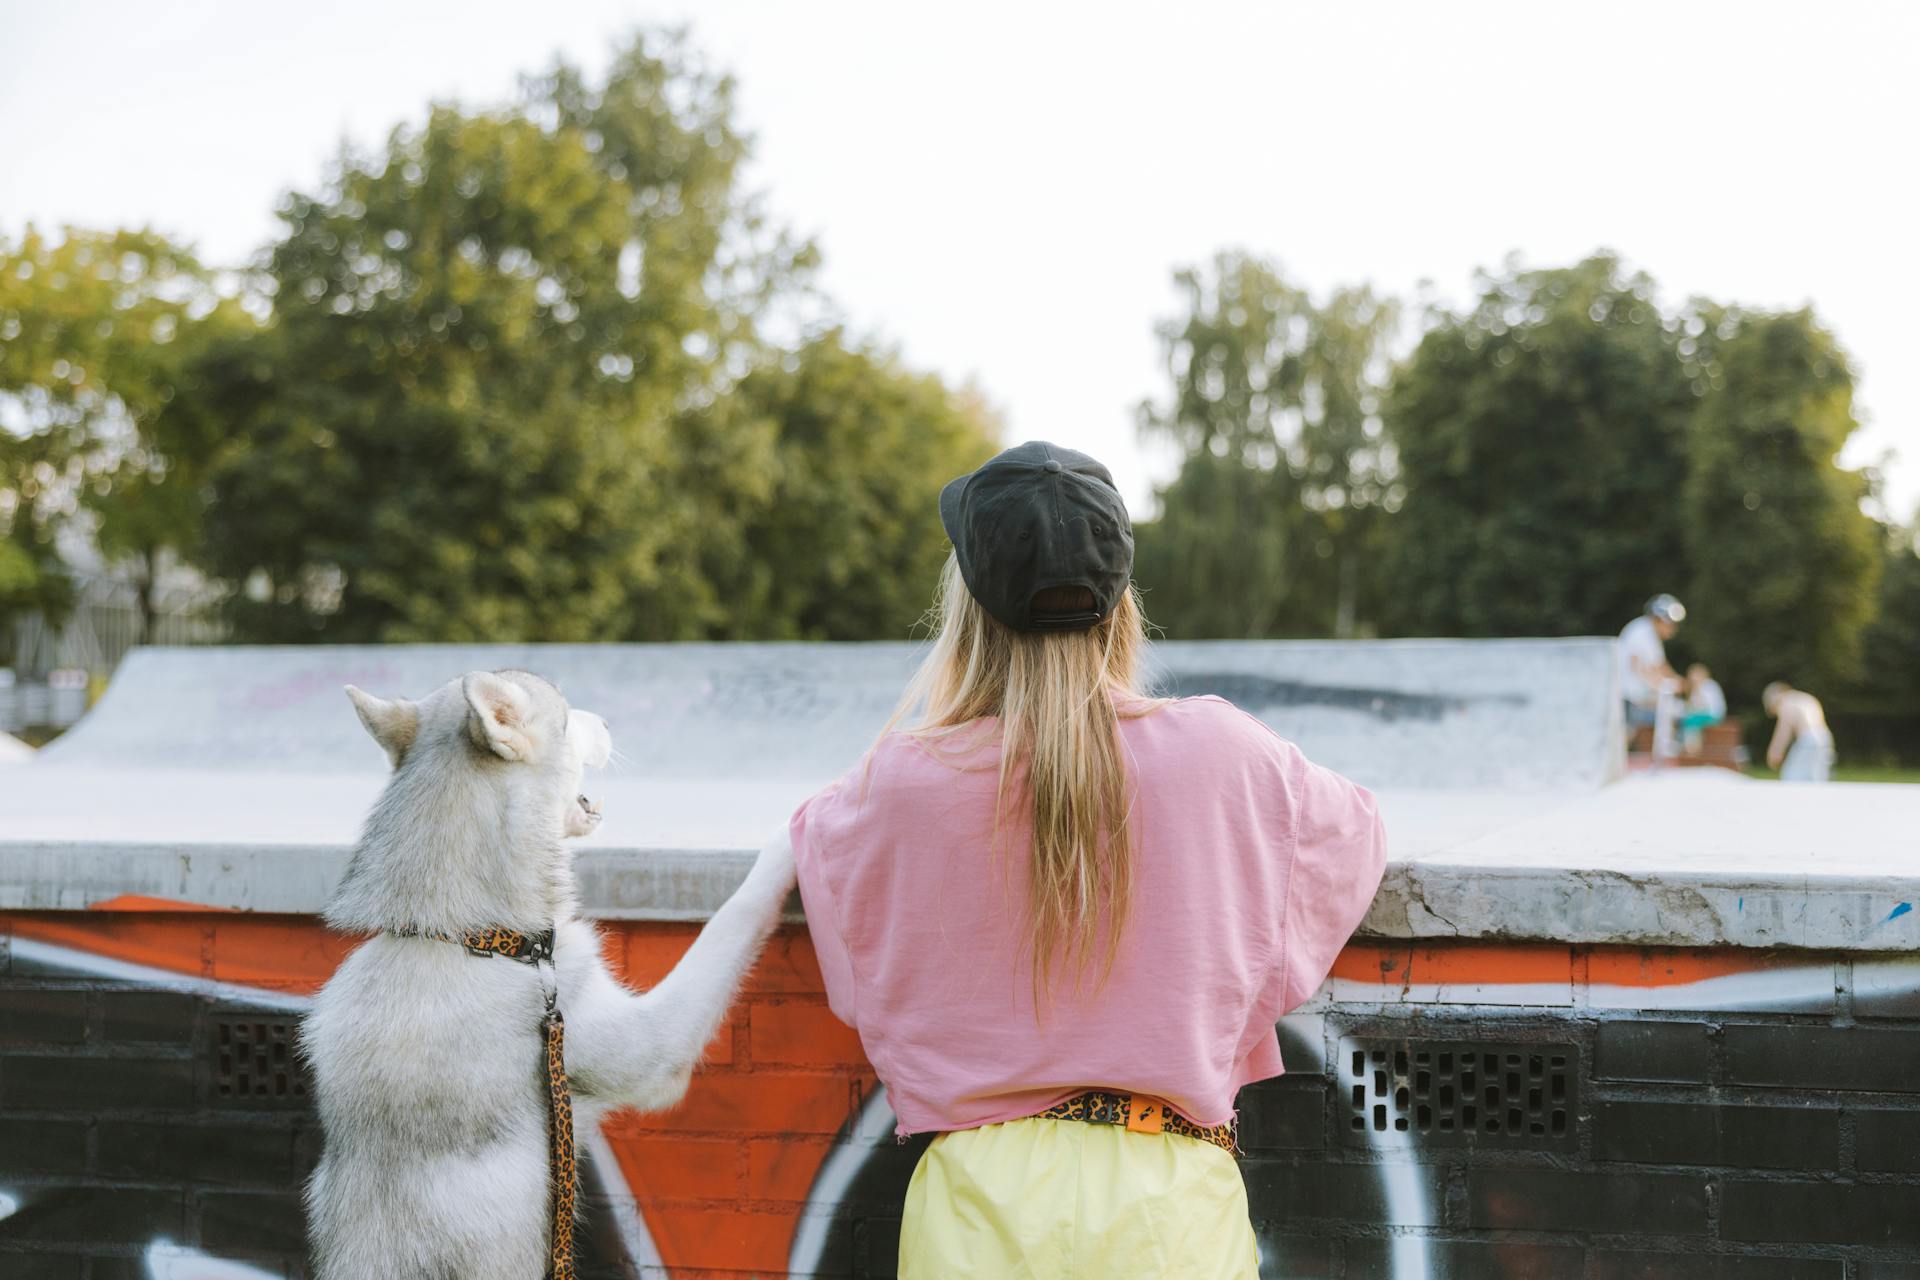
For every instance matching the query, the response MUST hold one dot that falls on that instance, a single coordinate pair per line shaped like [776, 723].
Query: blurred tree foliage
[1552, 456]
[838, 541]
[1889, 679]
[1541, 438]
[515, 387]
[1279, 503]
[100, 334]
[1785, 563]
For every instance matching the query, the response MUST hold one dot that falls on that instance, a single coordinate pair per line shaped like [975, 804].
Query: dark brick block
[196, 1151]
[309, 1140]
[1878, 1059]
[232, 1220]
[1279, 1194]
[1706, 1133]
[1298, 1258]
[39, 1016]
[31, 961]
[1874, 1216]
[42, 1146]
[1274, 1118]
[876, 1248]
[95, 1084]
[1467, 1260]
[884, 1173]
[42, 1266]
[161, 1017]
[1667, 1204]
[854, 1245]
[94, 1215]
[598, 1247]
[1676, 1051]
[1887, 1141]
[1611, 1264]
[1874, 1270]
[138, 1269]
[1886, 987]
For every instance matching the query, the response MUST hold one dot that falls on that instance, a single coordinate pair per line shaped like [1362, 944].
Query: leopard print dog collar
[563, 1178]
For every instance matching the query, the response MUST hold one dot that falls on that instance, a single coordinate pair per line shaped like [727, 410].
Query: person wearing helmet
[1802, 746]
[1647, 682]
[1064, 915]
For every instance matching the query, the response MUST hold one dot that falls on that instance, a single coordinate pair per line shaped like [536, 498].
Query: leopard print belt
[1141, 1114]
[563, 1175]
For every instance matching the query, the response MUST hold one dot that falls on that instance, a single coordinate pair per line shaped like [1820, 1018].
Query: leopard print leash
[563, 1175]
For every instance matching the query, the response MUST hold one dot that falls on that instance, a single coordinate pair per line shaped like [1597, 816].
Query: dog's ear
[500, 710]
[393, 724]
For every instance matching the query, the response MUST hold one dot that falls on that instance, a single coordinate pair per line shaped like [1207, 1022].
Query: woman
[1063, 915]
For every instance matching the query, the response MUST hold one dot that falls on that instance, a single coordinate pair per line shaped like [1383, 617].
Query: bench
[1722, 746]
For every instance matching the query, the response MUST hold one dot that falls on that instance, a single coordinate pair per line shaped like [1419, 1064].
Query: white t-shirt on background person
[1639, 645]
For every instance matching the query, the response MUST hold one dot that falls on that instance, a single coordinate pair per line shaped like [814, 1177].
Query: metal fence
[48, 673]
[95, 637]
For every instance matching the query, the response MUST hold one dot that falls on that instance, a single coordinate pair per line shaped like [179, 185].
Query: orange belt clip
[1146, 1115]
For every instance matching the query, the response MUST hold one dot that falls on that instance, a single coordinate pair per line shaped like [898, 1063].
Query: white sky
[1003, 190]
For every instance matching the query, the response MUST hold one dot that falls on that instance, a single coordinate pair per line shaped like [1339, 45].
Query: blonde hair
[1059, 696]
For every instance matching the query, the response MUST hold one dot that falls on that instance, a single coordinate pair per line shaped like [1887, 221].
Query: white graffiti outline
[836, 1174]
[168, 1261]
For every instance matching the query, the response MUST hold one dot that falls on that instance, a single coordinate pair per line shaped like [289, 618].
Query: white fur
[428, 1060]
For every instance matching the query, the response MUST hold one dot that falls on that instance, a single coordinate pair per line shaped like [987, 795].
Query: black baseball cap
[1037, 517]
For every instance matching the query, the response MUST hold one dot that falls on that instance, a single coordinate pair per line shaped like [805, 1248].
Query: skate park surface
[238, 777]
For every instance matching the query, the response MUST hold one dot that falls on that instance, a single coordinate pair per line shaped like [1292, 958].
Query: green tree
[844, 539]
[1286, 477]
[467, 420]
[1877, 716]
[98, 332]
[1785, 562]
[1541, 442]
[1890, 646]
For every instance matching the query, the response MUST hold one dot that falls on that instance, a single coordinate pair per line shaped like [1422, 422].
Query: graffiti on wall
[782, 1157]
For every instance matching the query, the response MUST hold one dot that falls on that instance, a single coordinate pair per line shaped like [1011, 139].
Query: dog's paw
[583, 815]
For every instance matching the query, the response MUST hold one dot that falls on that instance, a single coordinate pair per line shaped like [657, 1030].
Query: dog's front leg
[640, 1051]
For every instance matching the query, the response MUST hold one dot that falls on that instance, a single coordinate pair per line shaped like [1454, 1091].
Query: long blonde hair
[1059, 696]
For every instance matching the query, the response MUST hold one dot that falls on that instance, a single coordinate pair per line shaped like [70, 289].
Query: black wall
[1734, 1146]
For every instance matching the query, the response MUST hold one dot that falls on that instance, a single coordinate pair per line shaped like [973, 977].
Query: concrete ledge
[1685, 860]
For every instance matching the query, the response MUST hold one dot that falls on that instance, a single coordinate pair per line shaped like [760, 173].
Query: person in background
[1706, 704]
[1647, 683]
[1063, 915]
[1802, 746]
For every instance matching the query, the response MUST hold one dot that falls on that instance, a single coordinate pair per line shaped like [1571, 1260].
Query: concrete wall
[1400, 713]
[1680, 1112]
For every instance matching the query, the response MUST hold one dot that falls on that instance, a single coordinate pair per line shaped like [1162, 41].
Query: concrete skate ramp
[1508, 714]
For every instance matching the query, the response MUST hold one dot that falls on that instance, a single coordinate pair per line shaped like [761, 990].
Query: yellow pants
[1062, 1199]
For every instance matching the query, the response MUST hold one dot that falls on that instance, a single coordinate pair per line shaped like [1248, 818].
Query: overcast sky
[1003, 191]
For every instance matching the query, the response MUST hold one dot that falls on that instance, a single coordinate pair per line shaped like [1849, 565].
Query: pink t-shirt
[1252, 866]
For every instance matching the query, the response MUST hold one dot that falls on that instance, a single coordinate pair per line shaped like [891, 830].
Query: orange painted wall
[720, 1180]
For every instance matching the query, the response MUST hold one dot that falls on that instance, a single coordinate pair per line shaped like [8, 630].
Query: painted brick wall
[1723, 1114]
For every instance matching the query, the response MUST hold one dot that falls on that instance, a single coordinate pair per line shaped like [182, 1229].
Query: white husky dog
[429, 1061]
